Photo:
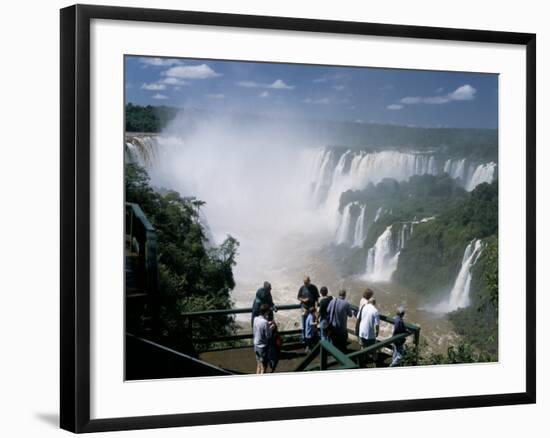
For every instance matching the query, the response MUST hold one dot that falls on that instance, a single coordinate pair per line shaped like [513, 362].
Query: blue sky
[366, 95]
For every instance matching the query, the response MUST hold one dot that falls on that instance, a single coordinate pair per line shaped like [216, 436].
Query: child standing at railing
[311, 336]
[399, 345]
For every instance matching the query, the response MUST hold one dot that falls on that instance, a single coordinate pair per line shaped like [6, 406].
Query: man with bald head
[308, 295]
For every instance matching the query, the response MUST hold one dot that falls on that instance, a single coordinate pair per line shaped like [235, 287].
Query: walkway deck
[242, 360]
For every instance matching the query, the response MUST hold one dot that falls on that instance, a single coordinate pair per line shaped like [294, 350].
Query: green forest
[477, 144]
[193, 274]
[148, 118]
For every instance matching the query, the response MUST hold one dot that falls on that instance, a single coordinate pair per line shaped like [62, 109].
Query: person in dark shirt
[308, 295]
[323, 313]
[339, 310]
[399, 345]
[263, 296]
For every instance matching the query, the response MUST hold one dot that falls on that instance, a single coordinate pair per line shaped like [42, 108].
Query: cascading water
[360, 235]
[344, 230]
[332, 175]
[381, 260]
[455, 168]
[323, 177]
[383, 257]
[460, 293]
[482, 173]
[378, 214]
[140, 149]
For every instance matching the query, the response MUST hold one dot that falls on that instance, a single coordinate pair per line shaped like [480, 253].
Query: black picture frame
[75, 217]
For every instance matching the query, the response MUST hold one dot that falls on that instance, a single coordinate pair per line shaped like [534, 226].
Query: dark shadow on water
[51, 419]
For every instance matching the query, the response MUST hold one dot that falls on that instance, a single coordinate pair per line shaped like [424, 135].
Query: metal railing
[191, 317]
[141, 260]
[323, 348]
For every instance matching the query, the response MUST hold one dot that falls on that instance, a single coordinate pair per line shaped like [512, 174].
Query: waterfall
[323, 175]
[381, 258]
[455, 168]
[460, 293]
[482, 173]
[140, 149]
[344, 229]
[334, 173]
[378, 214]
[360, 235]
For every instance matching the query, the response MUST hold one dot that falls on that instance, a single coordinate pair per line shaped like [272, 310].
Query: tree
[192, 277]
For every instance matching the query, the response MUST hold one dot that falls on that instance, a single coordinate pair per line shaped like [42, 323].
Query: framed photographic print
[282, 203]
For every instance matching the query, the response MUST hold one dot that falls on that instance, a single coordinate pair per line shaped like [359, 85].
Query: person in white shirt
[369, 326]
[367, 295]
[263, 337]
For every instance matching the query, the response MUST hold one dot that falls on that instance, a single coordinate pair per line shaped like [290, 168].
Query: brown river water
[286, 276]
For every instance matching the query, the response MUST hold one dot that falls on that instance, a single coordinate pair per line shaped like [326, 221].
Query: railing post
[416, 344]
[324, 357]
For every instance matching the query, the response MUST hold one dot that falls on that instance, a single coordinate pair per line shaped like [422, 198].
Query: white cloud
[160, 96]
[440, 90]
[202, 71]
[411, 100]
[153, 87]
[436, 100]
[173, 81]
[249, 84]
[264, 94]
[160, 62]
[279, 84]
[216, 96]
[321, 101]
[394, 107]
[320, 80]
[465, 92]
[338, 87]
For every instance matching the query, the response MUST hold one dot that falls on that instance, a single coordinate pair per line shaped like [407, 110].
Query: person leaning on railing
[263, 296]
[339, 310]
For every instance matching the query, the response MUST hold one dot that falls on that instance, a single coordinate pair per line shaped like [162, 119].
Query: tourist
[339, 310]
[399, 345]
[263, 335]
[263, 296]
[323, 313]
[308, 295]
[274, 346]
[367, 295]
[369, 326]
[311, 337]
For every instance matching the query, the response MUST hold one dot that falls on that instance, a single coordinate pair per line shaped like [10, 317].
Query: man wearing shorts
[263, 334]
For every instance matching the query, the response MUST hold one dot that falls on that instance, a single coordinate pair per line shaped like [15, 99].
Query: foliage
[476, 144]
[432, 257]
[192, 275]
[148, 118]
[478, 323]
[420, 197]
[462, 352]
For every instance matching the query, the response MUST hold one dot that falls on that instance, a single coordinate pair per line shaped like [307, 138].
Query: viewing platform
[148, 358]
